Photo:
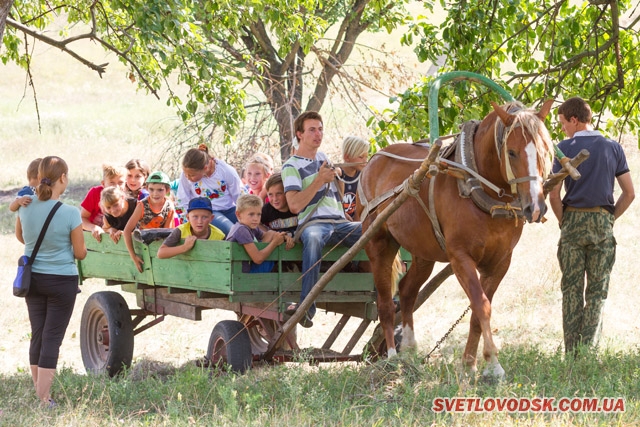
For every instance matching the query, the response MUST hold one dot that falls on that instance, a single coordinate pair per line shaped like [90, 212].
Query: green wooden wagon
[210, 277]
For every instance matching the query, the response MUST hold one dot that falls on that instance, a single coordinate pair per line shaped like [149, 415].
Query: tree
[538, 49]
[224, 51]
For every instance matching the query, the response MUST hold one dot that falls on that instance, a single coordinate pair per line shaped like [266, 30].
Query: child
[156, 211]
[354, 150]
[24, 195]
[276, 214]
[200, 215]
[246, 232]
[205, 176]
[137, 172]
[117, 211]
[257, 170]
[90, 211]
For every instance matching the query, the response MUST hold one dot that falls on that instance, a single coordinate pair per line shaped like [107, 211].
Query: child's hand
[138, 263]
[190, 241]
[115, 235]
[278, 238]
[97, 232]
[289, 242]
[24, 201]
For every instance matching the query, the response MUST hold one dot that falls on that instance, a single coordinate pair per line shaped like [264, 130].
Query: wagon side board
[211, 276]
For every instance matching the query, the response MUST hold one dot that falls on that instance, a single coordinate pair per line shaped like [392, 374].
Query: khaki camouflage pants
[587, 247]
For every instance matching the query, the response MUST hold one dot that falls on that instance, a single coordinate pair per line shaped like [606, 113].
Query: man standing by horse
[586, 214]
[311, 192]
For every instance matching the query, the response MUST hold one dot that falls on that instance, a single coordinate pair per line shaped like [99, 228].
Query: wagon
[210, 276]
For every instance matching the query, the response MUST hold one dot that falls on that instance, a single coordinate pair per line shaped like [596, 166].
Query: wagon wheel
[230, 344]
[106, 334]
[263, 333]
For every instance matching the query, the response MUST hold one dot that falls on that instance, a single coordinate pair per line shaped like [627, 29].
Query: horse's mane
[529, 121]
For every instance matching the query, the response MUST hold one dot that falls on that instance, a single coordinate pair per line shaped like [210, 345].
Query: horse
[513, 152]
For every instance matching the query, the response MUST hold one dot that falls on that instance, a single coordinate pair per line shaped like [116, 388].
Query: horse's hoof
[494, 372]
[391, 353]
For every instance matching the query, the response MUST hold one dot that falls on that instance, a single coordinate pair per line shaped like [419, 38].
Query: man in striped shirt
[311, 192]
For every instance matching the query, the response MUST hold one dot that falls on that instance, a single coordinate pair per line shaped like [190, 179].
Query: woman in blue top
[54, 279]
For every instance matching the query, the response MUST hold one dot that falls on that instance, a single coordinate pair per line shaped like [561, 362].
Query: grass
[398, 391]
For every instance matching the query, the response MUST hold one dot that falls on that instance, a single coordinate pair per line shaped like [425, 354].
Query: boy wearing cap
[155, 211]
[199, 216]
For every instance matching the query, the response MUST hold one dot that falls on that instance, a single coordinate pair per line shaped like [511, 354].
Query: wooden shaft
[557, 178]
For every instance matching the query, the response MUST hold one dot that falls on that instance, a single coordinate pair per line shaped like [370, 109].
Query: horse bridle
[501, 134]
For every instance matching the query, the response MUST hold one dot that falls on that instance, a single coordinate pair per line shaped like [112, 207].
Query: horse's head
[525, 150]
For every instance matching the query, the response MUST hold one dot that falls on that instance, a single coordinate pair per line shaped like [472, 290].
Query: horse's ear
[506, 118]
[546, 109]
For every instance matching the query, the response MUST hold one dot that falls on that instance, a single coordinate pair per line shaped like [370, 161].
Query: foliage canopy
[261, 57]
[536, 49]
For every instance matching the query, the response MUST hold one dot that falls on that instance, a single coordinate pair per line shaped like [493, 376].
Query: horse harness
[465, 169]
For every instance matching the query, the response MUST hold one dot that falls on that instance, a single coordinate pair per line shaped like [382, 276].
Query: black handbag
[22, 282]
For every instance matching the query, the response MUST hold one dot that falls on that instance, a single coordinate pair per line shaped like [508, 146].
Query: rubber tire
[108, 310]
[230, 344]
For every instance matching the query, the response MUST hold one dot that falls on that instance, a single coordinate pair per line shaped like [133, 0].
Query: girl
[156, 211]
[258, 169]
[137, 172]
[54, 278]
[117, 208]
[205, 176]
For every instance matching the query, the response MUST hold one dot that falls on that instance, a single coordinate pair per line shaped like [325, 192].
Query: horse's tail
[396, 270]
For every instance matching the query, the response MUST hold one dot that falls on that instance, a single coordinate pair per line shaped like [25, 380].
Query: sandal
[306, 321]
[291, 309]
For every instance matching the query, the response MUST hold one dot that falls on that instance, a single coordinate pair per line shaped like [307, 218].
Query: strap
[36, 248]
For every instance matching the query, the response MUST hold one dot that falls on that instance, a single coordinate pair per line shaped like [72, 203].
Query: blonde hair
[354, 146]
[247, 201]
[50, 170]
[263, 160]
[110, 171]
[111, 195]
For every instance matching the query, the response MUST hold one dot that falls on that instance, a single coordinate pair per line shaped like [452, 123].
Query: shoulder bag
[22, 282]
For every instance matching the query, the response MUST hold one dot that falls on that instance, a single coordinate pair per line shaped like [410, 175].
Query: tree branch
[62, 44]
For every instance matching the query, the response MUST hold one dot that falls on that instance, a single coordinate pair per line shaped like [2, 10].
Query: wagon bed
[210, 276]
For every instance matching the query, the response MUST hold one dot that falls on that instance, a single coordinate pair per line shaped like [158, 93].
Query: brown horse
[512, 151]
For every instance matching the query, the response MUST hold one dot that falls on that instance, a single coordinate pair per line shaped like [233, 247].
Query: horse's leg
[409, 287]
[381, 250]
[465, 270]
[490, 282]
[480, 294]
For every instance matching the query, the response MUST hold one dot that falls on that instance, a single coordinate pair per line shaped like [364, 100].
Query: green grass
[400, 391]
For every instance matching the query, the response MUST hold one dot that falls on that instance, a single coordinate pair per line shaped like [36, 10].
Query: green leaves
[537, 50]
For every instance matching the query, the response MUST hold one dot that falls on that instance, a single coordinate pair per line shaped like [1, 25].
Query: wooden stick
[557, 178]
[415, 181]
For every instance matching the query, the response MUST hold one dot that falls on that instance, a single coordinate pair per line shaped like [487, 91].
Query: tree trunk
[5, 7]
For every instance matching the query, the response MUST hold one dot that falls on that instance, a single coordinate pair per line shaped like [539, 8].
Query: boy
[355, 151]
[92, 216]
[24, 195]
[155, 211]
[199, 216]
[276, 214]
[247, 231]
